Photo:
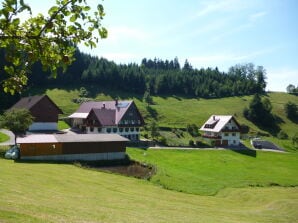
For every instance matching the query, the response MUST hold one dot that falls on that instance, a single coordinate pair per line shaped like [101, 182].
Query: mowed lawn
[3, 137]
[45, 192]
[206, 172]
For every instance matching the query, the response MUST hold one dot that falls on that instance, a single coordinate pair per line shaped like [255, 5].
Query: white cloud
[224, 58]
[209, 7]
[257, 16]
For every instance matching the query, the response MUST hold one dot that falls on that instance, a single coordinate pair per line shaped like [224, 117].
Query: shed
[72, 147]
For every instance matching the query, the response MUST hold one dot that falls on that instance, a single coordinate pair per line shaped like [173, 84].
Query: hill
[48, 192]
[177, 112]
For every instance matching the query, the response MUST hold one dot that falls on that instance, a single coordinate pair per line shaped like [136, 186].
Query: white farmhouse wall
[232, 140]
[133, 132]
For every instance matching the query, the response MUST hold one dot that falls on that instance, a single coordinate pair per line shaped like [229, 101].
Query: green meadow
[3, 137]
[47, 192]
[206, 172]
[177, 112]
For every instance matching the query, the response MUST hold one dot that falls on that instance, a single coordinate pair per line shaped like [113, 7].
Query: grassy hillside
[3, 137]
[41, 192]
[177, 112]
[206, 172]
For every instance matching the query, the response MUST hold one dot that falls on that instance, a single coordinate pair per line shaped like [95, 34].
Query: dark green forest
[153, 76]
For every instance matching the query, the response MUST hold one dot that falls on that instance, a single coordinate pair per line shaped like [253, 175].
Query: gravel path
[10, 141]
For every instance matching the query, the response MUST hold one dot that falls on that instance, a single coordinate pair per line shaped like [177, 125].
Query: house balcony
[211, 136]
[230, 130]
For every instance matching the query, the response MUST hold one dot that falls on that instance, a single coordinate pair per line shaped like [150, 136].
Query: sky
[208, 33]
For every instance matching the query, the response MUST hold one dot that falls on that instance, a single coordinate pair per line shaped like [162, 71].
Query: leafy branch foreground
[50, 39]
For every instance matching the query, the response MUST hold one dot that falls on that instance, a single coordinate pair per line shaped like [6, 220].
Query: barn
[66, 147]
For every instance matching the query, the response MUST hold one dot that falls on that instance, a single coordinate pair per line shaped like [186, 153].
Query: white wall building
[222, 130]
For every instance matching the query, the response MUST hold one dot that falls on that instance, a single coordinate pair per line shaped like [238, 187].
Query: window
[131, 129]
[91, 129]
[126, 129]
[99, 129]
[137, 129]
[120, 129]
[114, 130]
[233, 134]
[108, 130]
[226, 134]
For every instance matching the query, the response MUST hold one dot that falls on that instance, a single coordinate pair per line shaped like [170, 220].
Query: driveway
[10, 141]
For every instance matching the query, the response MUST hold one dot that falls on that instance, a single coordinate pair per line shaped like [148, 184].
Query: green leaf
[53, 10]
[73, 18]
[86, 8]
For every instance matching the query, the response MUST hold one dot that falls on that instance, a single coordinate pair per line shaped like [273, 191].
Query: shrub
[191, 143]
[282, 135]
[244, 129]
[193, 130]
[295, 139]
[83, 93]
[162, 140]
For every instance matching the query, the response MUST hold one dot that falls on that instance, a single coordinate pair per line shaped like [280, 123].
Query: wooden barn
[67, 147]
[44, 111]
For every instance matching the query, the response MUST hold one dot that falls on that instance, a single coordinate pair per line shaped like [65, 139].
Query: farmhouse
[72, 147]
[117, 117]
[44, 111]
[222, 130]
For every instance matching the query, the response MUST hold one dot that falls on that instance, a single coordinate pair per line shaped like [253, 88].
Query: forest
[153, 76]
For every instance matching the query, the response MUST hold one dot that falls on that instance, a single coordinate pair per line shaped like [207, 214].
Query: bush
[244, 129]
[191, 143]
[83, 92]
[295, 139]
[193, 130]
[282, 135]
[162, 140]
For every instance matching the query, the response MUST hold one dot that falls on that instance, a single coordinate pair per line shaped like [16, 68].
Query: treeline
[158, 77]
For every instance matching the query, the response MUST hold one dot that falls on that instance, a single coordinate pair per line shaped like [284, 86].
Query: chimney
[214, 117]
[116, 102]
[104, 105]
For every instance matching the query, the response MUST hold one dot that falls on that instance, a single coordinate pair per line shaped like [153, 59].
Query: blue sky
[209, 33]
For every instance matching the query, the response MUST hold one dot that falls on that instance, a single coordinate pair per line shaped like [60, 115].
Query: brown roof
[31, 101]
[105, 116]
[102, 108]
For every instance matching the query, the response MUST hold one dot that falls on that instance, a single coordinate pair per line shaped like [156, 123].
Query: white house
[222, 130]
[117, 117]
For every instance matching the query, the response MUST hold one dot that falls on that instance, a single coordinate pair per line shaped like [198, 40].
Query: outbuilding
[66, 147]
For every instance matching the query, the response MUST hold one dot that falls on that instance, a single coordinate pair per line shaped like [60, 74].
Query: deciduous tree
[16, 120]
[50, 39]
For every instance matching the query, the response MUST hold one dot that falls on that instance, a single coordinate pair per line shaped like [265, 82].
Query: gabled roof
[217, 122]
[105, 116]
[106, 111]
[31, 101]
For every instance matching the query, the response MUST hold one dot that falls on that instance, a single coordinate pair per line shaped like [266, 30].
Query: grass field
[3, 137]
[43, 192]
[206, 172]
[177, 112]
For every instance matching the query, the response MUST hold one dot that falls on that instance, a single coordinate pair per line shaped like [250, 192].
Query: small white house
[222, 130]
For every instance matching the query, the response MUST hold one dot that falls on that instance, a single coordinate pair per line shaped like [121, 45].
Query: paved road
[10, 141]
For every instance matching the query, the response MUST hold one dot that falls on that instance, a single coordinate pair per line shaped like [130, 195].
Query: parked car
[12, 153]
